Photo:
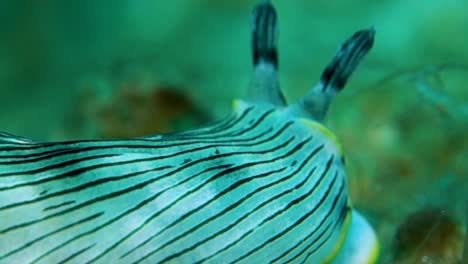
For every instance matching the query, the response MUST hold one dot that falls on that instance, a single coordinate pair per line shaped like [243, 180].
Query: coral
[429, 236]
[136, 113]
[131, 112]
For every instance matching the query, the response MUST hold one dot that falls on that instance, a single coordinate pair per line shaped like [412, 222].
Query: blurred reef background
[93, 69]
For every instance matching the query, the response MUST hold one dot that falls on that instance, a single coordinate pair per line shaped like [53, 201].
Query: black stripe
[141, 204]
[81, 187]
[101, 165]
[31, 242]
[77, 143]
[272, 216]
[236, 204]
[76, 254]
[230, 122]
[61, 152]
[218, 125]
[135, 187]
[241, 131]
[58, 205]
[214, 217]
[320, 235]
[253, 126]
[73, 150]
[314, 231]
[56, 166]
[111, 221]
[298, 221]
[338, 223]
[220, 174]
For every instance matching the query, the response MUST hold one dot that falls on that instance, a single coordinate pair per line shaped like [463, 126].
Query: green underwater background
[104, 69]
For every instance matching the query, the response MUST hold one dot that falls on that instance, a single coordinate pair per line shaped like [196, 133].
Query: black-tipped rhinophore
[264, 34]
[316, 102]
[350, 54]
[264, 86]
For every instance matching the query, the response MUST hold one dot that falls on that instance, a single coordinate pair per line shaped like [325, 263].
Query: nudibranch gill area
[265, 185]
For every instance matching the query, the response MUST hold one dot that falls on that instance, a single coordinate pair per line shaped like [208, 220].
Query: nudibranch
[267, 184]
